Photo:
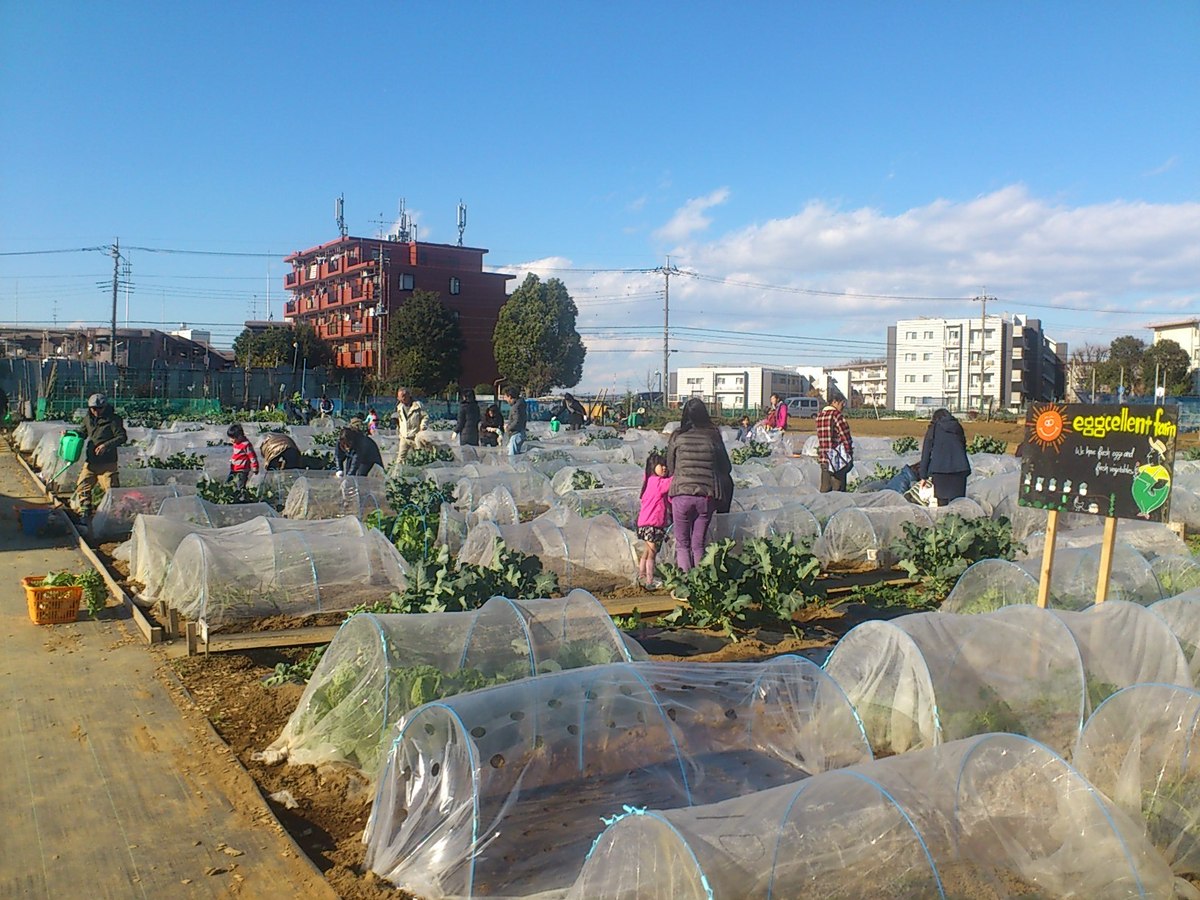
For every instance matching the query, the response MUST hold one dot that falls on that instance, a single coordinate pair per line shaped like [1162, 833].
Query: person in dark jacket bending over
[944, 457]
[104, 432]
[699, 468]
[356, 453]
[467, 427]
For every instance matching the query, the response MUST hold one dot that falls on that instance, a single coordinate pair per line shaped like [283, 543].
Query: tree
[1171, 364]
[1124, 365]
[1086, 362]
[282, 345]
[424, 344]
[535, 340]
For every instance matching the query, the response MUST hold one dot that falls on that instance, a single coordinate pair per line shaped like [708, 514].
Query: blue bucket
[34, 519]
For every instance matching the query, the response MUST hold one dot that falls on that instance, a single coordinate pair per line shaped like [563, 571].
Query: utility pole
[983, 299]
[667, 270]
[116, 255]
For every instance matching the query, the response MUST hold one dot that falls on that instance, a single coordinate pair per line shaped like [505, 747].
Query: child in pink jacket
[652, 516]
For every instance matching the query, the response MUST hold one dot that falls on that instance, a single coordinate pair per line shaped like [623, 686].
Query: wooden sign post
[1101, 460]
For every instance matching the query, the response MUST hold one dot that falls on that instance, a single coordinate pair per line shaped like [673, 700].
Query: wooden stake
[1106, 558]
[1047, 558]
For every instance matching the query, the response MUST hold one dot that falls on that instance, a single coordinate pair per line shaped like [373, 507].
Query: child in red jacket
[244, 459]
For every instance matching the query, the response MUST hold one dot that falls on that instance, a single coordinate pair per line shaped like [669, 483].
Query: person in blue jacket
[944, 457]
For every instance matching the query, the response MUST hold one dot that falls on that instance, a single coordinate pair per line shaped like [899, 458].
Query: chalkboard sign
[1106, 460]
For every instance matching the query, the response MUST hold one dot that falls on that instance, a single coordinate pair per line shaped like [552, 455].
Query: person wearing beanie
[104, 432]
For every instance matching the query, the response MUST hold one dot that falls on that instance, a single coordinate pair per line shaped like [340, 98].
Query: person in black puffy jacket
[700, 480]
[944, 457]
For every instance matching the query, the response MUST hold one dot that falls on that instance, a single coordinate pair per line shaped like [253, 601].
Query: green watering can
[70, 449]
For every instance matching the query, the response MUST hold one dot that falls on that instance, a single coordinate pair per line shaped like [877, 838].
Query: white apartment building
[1186, 333]
[862, 383]
[967, 363]
[736, 387]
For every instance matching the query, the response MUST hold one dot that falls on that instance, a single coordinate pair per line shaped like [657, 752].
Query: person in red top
[244, 459]
[835, 447]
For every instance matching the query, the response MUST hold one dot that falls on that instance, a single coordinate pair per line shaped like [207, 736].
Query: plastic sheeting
[329, 498]
[863, 538]
[220, 576]
[568, 544]
[622, 503]
[1140, 748]
[1123, 644]
[1182, 615]
[498, 792]
[120, 506]
[608, 474]
[795, 519]
[1150, 539]
[993, 816]
[156, 539]
[378, 667]
[990, 584]
[920, 680]
[195, 509]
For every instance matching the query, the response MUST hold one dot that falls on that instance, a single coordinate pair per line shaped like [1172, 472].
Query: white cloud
[766, 277]
[690, 217]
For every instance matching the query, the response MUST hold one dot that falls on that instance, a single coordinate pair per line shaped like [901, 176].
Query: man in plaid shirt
[833, 436]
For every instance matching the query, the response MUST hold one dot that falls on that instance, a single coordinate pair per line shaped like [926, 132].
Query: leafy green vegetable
[984, 444]
[95, 591]
[752, 450]
[180, 460]
[583, 480]
[937, 556]
[906, 444]
[423, 456]
[769, 579]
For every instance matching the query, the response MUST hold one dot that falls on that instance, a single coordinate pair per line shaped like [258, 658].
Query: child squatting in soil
[652, 516]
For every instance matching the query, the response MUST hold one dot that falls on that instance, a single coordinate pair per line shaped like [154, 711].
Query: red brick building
[346, 288]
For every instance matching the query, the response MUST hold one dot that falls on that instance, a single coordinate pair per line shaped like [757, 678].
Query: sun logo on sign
[1049, 427]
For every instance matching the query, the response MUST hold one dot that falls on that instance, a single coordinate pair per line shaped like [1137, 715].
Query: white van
[803, 407]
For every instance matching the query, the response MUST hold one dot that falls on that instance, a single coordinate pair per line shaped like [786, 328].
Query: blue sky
[799, 162]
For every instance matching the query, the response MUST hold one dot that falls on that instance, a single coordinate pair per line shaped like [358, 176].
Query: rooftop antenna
[406, 227]
[462, 220]
[339, 213]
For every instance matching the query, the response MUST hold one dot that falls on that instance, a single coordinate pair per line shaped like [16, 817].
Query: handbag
[838, 459]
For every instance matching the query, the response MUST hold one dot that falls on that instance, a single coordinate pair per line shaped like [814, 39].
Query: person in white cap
[104, 432]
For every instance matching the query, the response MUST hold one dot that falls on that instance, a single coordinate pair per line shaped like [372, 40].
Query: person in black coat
[467, 427]
[576, 415]
[944, 457]
[356, 453]
[491, 427]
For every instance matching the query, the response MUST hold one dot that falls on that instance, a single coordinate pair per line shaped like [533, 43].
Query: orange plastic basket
[51, 605]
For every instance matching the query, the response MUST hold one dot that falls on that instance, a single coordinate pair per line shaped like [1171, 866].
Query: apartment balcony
[291, 279]
[289, 307]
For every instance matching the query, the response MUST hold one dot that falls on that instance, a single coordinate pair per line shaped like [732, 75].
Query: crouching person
[104, 432]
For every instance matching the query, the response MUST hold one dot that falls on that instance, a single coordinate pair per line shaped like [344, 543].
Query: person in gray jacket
[700, 472]
[515, 424]
[944, 457]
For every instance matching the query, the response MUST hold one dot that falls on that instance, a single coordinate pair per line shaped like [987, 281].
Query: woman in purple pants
[699, 467]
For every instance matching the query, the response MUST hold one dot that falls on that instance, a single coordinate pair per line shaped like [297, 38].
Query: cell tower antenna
[405, 233]
[339, 213]
[462, 220]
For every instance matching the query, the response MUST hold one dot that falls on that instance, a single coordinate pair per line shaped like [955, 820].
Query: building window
[928, 335]
[927, 378]
[406, 282]
[910, 357]
[952, 378]
[909, 379]
[455, 286]
[926, 356]
[910, 335]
